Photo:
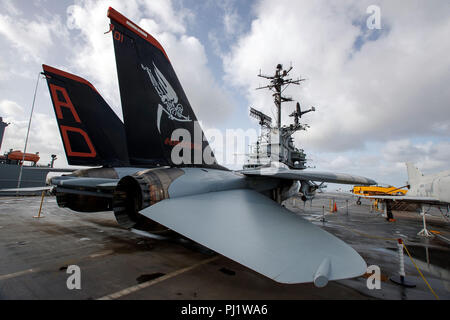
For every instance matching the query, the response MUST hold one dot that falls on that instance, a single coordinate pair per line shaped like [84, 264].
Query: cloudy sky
[382, 95]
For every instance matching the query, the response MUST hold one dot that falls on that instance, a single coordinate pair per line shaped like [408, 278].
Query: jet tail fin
[414, 173]
[155, 106]
[92, 133]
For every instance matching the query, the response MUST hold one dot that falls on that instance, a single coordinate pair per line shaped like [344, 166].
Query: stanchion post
[400, 279]
[424, 232]
[40, 207]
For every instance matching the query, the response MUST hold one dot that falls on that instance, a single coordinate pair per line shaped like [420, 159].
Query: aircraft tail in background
[414, 174]
[91, 132]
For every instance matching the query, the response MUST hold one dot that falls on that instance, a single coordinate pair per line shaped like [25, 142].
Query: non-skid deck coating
[117, 264]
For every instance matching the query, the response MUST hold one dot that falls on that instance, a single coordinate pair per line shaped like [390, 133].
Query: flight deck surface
[118, 264]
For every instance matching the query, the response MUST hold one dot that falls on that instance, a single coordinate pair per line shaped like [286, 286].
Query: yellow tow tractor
[363, 191]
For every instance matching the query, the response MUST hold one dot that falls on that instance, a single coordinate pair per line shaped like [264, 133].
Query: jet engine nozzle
[139, 191]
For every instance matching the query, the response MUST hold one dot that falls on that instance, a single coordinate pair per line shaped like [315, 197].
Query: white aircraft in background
[430, 190]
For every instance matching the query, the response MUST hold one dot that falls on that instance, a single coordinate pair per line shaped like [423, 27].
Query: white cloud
[171, 20]
[220, 37]
[93, 54]
[32, 39]
[3, 71]
[215, 43]
[432, 156]
[10, 108]
[340, 163]
[231, 22]
[393, 87]
[9, 7]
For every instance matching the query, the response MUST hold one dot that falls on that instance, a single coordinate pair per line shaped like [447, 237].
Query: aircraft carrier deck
[118, 264]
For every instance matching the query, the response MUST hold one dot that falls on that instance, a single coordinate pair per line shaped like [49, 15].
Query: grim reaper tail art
[169, 98]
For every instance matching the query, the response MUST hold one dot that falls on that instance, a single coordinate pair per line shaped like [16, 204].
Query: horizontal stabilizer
[75, 182]
[310, 175]
[45, 188]
[256, 232]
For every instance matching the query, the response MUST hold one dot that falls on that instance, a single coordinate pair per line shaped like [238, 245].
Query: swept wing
[255, 231]
[309, 175]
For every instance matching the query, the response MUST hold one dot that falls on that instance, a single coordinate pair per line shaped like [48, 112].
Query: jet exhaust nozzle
[139, 191]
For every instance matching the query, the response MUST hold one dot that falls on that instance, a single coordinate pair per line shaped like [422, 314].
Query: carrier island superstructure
[275, 142]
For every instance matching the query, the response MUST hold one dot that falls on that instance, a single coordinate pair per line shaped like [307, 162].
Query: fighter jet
[431, 190]
[157, 169]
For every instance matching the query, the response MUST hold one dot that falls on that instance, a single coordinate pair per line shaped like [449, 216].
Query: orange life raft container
[18, 155]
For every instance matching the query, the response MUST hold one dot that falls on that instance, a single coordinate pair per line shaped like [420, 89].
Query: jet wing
[256, 232]
[411, 199]
[310, 175]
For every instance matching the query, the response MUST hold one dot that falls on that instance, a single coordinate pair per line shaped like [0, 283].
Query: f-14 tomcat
[235, 214]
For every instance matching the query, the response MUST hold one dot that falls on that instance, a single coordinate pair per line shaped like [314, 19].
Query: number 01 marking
[118, 36]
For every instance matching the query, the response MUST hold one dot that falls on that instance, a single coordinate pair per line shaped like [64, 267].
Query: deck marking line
[147, 284]
[24, 272]
[101, 254]
[17, 274]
